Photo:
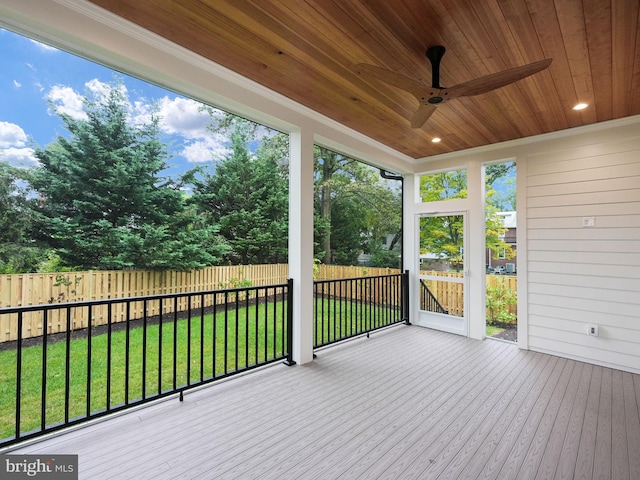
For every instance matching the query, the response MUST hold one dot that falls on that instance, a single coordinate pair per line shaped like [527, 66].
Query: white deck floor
[406, 403]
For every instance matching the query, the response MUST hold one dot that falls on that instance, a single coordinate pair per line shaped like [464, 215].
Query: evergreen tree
[247, 195]
[102, 202]
[18, 254]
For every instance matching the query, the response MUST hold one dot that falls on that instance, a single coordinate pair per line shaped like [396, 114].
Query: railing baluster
[246, 331]
[160, 323]
[127, 353]
[43, 393]
[214, 326]
[109, 347]
[202, 337]
[189, 340]
[19, 376]
[175, 342]
[89, 358]
[226, 330]
[67, 366]
[143, 375]
[237, 331]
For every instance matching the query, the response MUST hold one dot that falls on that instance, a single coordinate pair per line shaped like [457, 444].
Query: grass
[255, 334]
[493, 330]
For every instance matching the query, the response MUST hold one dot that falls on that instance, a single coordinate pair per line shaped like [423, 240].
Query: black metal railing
[349, 307]
[133, 351]
[428, 301]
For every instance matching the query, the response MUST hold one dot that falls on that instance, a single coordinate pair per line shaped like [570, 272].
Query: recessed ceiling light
[436, 139]
[581, 106]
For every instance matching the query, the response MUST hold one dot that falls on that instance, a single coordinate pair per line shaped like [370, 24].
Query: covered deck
[408, 402]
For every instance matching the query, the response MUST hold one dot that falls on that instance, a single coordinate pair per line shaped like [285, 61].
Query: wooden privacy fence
[451, 295]
[54, 288]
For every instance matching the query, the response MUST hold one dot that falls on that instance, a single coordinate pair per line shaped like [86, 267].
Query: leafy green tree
[354, 208]
[247, 194]
[102, 202]
[18, 254]
[443, 235]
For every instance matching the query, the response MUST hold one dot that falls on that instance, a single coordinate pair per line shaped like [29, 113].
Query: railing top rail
[329, 280]
[107, 301]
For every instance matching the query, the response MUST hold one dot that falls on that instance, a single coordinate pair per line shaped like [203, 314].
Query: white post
[410, 249]
[475, 251]
[301, 242]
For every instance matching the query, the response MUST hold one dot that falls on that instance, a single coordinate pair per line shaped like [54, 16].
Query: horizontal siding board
[604, 271]
[593, 258]
[597, 149]
[625, 208]
[614, 235]
[606, 172]
[583, 304]
[604, 246]
[591, 281]
[605, 331]
[592, 186]
[573, 223]
[589, 198]
[621, 297]
[577, 163]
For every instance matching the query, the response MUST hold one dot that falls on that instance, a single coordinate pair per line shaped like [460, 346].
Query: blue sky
[33, 74]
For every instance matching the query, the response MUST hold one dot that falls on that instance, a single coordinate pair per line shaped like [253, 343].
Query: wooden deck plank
[488, 436]
[407, 403]
[379, 423]
[569, 453]
[632, 415]
[587, 448]
[547, 463]
[602, 456]
[619, 452]
[533, 436]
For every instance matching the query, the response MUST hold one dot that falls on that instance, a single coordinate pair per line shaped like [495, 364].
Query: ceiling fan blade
[496, 80]
[422, 115]
[417, 89]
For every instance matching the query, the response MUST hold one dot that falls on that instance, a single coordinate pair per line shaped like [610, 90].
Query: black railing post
[405, 297]
[289, 322]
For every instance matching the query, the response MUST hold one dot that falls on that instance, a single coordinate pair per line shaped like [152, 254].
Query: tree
[102, 202]
[247, 194]
[354, 209]
[18, 254]
[442, 236]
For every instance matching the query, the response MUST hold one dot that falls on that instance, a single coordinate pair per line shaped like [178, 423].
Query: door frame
[441, 321]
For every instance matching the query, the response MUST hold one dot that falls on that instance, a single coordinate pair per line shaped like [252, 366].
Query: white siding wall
[585, 275]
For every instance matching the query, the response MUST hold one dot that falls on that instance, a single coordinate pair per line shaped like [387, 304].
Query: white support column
[301, 242]
[410, 249]
[475, 251]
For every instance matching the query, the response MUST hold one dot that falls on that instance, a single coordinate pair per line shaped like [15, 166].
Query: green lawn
[255, 340]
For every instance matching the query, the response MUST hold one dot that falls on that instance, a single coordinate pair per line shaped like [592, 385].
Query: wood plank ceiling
[307, 49]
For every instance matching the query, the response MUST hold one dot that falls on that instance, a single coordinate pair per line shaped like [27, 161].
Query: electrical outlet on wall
[592, 330]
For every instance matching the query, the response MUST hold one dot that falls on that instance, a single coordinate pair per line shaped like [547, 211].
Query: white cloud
[12, 135]
[13, 148]
[19, 157]
[212, 148]
[17, 84]
[67, 101]
[184, 117]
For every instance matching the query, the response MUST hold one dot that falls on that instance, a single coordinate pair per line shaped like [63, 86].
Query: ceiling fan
[430, 97]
